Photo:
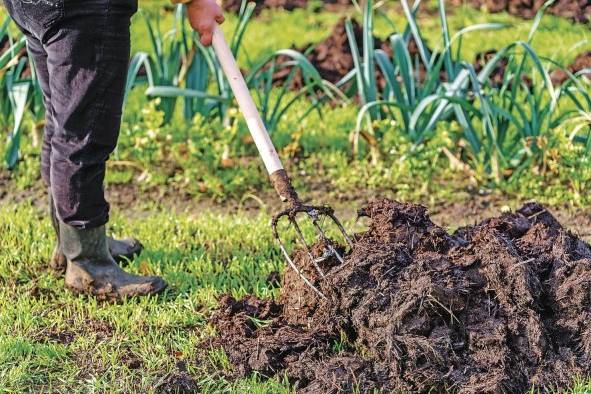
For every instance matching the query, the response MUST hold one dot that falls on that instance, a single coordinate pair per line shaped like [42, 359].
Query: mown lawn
[53, 341]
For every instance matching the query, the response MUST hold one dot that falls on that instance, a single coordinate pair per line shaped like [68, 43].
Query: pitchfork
[277, 173]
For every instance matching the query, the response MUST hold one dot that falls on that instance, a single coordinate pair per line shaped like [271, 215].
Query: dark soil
[55, 336]
[582, 62]
[178, 382]
[289, 5]
[495, 307]
[332, 57]
[497, 76]
[577, 10]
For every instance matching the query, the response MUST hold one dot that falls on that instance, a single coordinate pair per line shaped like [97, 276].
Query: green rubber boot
[92, 270]
[121, 250]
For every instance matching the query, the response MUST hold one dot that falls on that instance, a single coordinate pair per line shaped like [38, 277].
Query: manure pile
[495, 307]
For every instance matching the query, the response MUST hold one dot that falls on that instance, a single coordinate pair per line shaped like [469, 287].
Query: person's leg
[87, 59]
[36, 51]
[121, 250]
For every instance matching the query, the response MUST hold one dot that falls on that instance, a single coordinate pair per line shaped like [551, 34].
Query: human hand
[204, 15]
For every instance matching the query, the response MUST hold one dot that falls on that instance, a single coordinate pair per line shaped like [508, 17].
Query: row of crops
[506, 124]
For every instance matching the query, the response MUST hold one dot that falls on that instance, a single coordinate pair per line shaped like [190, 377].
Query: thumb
[206, 38]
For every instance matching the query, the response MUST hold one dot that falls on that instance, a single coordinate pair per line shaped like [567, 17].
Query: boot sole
[113, 295]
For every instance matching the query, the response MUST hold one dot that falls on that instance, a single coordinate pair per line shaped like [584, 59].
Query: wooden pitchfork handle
[277, 173]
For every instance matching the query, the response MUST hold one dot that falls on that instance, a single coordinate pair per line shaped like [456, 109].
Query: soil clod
[500, 306]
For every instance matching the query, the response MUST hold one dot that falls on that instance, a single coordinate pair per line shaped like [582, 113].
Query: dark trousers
[81, 54]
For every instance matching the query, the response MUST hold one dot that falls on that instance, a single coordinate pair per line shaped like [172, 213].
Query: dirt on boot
[92, 270]
[500, 306]
[122, 251]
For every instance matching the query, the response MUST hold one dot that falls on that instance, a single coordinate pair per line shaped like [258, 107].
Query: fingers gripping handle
[247, 107]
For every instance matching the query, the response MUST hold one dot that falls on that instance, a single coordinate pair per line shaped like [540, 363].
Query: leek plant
[163, 65]
[14, 92]
[274, 101]
[198, 67]
[577, 90]
[508, 127]
[204, 67]
[414, 92]
[505, 129]
[173, 69]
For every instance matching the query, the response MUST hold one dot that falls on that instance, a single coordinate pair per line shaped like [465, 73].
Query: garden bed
[333, 59]
[494, 307]
[577, 10]
[288, 5]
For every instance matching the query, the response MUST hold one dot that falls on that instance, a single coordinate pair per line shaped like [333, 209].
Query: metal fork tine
[303, 241]
[290, 261]
[340, 226]
[337, 254]
[327, 241]
[300, 274]
[320, 231]
[315, 214]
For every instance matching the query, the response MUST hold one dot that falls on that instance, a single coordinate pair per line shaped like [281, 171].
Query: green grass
[201, 256]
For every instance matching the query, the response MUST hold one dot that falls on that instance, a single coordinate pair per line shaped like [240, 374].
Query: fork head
[316, 214]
